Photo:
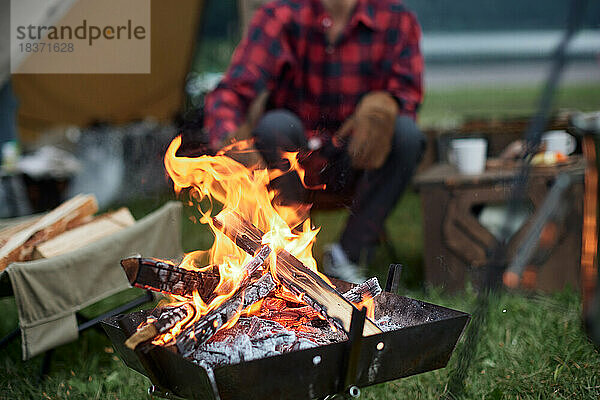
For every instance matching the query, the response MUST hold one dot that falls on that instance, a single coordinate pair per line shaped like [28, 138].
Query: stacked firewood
[68, 227]
[269, 316]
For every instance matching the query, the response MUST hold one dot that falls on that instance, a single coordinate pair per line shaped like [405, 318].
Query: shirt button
[326, 22]
[329, 49]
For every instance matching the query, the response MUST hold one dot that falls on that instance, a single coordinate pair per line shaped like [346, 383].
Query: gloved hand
[371, 129]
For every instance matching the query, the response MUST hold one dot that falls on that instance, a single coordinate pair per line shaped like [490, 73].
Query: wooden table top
[448, 174]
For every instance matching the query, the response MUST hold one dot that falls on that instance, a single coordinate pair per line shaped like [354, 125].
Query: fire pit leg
[393, 278]
[153, 371]
[349, 371]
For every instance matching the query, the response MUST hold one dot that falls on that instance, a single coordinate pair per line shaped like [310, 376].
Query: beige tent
[53, 100]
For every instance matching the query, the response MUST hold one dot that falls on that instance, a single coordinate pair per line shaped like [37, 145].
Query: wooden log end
[146, 332]
[131, 266]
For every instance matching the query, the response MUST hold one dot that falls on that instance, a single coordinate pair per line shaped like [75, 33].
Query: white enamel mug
[468, 155]
[559, 141]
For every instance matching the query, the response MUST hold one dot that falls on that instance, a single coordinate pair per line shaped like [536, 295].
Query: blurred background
[483, 60]
[485, 65]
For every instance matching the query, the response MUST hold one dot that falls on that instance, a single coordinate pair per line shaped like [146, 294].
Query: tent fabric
[47, 13]
[48, 292]
[49, 101]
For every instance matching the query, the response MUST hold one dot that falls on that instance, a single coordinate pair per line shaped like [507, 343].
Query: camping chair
[50, 292]
[49, 308]
[84, 323]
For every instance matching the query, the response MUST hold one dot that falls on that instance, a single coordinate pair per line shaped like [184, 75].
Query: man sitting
[343, 83]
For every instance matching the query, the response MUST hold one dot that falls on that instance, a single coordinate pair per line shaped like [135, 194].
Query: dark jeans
[374, 193]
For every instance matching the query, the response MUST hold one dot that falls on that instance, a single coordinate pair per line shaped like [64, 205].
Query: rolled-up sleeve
[406, 79]
[254, 64]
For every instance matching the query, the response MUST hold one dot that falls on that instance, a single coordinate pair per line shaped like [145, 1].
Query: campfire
[256, 296]
[257, 291]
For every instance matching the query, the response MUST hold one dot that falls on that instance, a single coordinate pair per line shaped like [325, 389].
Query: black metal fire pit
[424, 341]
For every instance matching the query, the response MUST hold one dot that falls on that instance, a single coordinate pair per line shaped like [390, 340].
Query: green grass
[448, 108]
[532, 345]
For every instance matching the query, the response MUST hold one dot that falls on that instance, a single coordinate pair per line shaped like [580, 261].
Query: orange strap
[589, 240]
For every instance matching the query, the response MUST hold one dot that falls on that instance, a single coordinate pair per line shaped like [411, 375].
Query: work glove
[370, 130]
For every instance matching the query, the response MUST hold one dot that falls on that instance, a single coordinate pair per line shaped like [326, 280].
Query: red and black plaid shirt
[286, 52]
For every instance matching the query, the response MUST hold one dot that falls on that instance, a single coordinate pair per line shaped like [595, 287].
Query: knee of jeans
[408, 138]
[281, 129]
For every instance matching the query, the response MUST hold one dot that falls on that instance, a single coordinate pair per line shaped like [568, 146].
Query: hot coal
[249, 339]
[208, 326]
[280, 324]
[253, 338]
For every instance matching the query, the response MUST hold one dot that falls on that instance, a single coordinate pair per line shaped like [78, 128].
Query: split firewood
[102, 226]
[368, 289]
[168, 318]
[72, 213]
[245, 235]
[253, 265]
[155, 268]
[10, 231]
[162, 276]
[317, 293]
[271, 307]
[204, 329]
[294, 275]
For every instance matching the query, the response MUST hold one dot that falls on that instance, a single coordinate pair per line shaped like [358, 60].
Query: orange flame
[219, 184]
[369, 304]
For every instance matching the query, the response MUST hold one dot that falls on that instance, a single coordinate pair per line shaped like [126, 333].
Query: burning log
[162, 276]
[199, 333]
[245, 235]
[280, 309]
[168, 318]
[298, 316]
[288, 314]
[317, 293]
[368, 289]
[294, 275]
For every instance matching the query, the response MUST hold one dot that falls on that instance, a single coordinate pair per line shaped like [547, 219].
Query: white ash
[397, 312]
[192, 337]
[251, 339]
[388, 324]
